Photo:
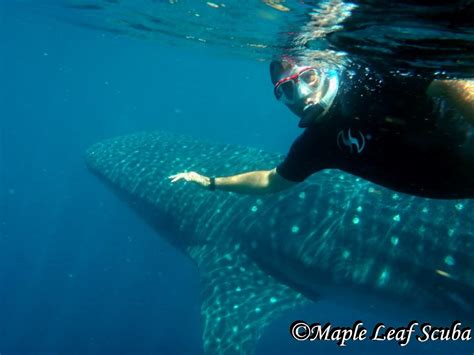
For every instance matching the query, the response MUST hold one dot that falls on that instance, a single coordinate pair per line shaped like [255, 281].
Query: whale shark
[334, 236]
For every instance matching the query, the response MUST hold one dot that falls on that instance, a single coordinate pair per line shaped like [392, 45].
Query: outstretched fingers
[177, 177]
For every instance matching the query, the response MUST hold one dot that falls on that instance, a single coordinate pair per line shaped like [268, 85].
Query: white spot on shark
[383, 277]
[449, 260]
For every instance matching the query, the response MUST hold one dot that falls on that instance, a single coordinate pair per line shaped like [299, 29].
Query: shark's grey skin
[334, 236]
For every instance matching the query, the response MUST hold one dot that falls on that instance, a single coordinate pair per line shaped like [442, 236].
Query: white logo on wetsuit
[351, 142]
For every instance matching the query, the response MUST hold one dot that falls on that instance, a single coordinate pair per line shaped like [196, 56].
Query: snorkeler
[406, 133]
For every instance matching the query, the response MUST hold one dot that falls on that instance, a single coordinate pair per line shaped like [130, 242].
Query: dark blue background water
[79, 271]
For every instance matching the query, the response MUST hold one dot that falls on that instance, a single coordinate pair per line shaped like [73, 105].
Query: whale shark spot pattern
[253, 267]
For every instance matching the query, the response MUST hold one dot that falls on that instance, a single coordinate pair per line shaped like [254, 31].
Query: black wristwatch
[212, 183]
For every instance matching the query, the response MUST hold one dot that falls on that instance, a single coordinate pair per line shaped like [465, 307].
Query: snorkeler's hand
[191, 176]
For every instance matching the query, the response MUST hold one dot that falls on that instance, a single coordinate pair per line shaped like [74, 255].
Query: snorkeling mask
[309, 92]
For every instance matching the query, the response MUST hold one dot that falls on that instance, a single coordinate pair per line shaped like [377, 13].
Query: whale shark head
[333, 236]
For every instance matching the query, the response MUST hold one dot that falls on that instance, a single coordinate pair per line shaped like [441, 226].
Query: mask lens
[287, 90]
[310, 77]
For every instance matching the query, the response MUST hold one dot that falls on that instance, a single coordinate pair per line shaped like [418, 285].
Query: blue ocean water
[79, 271]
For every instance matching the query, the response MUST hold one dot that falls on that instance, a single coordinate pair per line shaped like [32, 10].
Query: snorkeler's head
[308, 91]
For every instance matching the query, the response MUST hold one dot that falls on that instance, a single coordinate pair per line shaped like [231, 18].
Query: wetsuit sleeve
[300, 162]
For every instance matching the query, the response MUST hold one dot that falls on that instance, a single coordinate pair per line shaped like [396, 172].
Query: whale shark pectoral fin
[238, 299]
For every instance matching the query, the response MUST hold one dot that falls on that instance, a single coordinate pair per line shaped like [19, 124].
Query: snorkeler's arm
[251, 183]
[458, 93]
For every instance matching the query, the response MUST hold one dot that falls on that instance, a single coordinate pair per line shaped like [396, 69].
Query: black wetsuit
[386, 130]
